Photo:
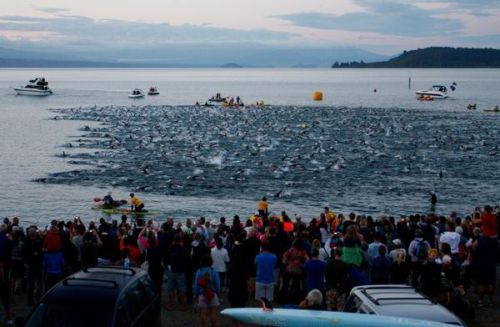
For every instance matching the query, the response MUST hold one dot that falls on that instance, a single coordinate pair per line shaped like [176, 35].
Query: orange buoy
[317, 96]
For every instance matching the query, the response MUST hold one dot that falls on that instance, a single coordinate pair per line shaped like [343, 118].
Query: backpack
[205, 281]
[421, 250]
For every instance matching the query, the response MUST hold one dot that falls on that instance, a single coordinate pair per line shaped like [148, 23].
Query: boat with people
[36, 86]
[435, 92]
[230, 102]
[217, 98]
[136, 93]
[233, 105]
[260, 104]
[153, 90]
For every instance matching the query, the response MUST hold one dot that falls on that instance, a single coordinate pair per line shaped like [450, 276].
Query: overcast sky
[383, 26]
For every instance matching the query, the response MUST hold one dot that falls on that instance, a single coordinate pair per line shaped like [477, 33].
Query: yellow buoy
[317, 96]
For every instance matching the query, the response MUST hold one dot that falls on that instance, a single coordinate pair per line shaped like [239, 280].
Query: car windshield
[58, 314]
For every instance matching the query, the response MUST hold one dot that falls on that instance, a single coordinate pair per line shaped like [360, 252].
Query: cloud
[477, 8]
[384, 17]
[80, 30]
[483, 41]
[468, 3]
[52, 10]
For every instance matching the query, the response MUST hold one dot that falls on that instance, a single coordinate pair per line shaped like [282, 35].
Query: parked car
[399, 301]
[99, 296]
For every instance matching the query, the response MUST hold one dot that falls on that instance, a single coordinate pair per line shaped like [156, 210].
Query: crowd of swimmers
[293, 262]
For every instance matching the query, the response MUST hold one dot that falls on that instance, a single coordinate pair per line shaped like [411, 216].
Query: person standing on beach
[237, 276]
[53, 259]
[488, 222]
[315, 271]
[220, 258]
[206, 288]
[265, 263]
[486, 254]
[5, 254]
[329, 215]
[418, 251]
[33, 258]
[136, 204]
[176, 267]
[336, 279]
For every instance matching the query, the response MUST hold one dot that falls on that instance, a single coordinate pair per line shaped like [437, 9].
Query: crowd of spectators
[311, 263]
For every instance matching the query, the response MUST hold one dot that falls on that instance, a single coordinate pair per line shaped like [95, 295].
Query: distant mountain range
[213, 55]
[434, 57]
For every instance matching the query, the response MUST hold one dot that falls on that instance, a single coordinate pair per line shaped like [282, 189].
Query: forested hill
[435, 57]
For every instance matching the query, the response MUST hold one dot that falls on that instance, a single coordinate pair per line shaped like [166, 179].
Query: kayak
[122, 211]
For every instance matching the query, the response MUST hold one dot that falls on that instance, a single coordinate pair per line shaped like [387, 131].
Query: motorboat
[494, 109]
[435, 92]
[153, 90]
[136, 93]
[37, 86]
[217, 98]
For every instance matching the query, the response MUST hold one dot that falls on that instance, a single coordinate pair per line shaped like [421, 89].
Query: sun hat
[396, 242]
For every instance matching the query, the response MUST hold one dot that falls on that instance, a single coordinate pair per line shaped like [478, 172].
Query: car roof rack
[109, 270]
[73, 281]
[389, 287]
[402, 299]
[377, 301]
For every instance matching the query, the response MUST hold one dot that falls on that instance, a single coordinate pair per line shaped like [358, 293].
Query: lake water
[357, 150]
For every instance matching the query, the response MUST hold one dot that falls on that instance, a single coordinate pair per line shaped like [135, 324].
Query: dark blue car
[100, 296]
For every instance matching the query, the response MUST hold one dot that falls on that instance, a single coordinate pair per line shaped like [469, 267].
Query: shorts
[176, 281]
[264, 291]
[203, 304]
[334, 299]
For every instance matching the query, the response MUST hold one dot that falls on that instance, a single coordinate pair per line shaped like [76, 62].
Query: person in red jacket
[488, 222]
[52, 240]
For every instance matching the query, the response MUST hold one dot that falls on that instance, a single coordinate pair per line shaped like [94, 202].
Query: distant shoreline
[226, 68]
[434, 57]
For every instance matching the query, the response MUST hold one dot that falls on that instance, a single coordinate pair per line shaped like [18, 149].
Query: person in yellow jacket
[263, 207]
[329, 215]
[135, 203]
